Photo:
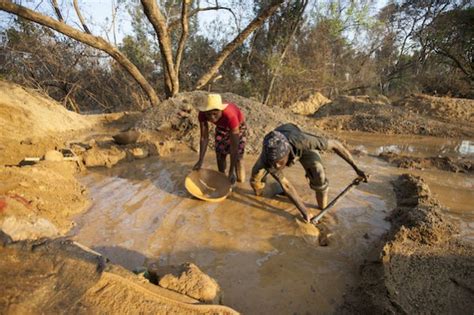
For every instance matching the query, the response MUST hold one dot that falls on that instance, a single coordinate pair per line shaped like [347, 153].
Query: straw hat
[213, 101]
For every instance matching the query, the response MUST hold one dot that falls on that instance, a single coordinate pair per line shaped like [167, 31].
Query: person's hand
[197, 166]
[308, 216]
[363, 175]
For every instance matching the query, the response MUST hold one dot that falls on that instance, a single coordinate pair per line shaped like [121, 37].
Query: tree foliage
[275, 51]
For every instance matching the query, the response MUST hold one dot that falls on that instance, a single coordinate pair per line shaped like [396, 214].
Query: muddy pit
[263, 257]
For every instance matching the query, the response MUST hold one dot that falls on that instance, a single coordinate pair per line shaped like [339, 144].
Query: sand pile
[348, 105]
[310, 105]
[442, 108]
[177, 118]
[445, 163]
[363, 114]
[421, 266]
[25, 113]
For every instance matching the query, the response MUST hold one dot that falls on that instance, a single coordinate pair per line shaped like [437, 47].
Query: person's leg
[311, 161]
[221, 162]
[240, 171]
[240, 164]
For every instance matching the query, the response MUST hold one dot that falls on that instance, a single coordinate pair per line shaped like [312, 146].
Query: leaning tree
[171, 55]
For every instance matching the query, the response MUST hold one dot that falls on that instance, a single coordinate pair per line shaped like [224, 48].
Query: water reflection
[466, 147]
[409, 145]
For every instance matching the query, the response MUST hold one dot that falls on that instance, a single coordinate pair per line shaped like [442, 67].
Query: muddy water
[454, 191]
[265, 260]
[409, 145]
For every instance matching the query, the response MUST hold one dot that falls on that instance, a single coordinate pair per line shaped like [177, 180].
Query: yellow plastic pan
[208, 185]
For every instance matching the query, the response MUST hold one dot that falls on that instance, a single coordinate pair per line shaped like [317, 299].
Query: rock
[31, 228]
[139, 153]
[54, 156]
[103, 157]
[163, 148]
[188, 279]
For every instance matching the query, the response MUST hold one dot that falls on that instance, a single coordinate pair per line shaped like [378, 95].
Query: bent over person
[230, 137]
[283, 147]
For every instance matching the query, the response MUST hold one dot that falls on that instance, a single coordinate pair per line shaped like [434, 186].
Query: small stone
[53, 155]
[188, 279]
[139, 153]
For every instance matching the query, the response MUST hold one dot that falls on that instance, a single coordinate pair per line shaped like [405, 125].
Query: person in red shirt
[230, 138]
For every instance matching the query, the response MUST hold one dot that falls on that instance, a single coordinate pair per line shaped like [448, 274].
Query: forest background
[274, 51]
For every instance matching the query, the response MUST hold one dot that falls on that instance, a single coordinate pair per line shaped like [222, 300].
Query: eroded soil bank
[264, 259]
[420, 265]
[61, 277]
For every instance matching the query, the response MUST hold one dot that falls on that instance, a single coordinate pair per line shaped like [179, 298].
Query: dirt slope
[421, 266]
[443, 108]
[360, 113]
[59, 277]
[25, 113]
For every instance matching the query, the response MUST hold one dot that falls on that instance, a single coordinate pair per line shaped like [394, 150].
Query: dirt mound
[177, 118]
[358, 114]
[62, 277]
[33, 123]
[25, 113]
[442, 163]
[420, 265]
[348, 105]
[443, 108]
[310, 105]
[40, 200]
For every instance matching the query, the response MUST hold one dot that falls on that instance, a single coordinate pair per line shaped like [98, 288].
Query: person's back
[287, 144]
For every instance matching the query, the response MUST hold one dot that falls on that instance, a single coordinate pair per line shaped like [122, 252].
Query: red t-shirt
[231, 117]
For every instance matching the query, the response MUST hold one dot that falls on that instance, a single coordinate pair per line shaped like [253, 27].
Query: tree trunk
[229, 48]
[93, 41]
[158, 21]
[184, 35]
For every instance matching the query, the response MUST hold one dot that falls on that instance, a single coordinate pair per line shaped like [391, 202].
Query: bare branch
[54, 3]
[93, 41]
[81, 19]
[229, 48]
[193, 12]
[184, 34]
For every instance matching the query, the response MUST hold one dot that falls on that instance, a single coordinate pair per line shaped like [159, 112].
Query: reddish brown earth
[419, 267]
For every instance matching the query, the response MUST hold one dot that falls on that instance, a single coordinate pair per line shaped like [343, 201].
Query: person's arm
[290, 191]
[340, 150]
[203, 141]
[234, 153]
[258, 176]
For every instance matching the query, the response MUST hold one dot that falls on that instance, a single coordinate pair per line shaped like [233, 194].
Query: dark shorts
[315, 172]
[223, 139]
